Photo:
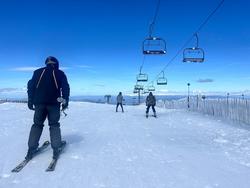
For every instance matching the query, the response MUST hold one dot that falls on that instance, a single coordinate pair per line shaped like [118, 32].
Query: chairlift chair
[138, 87]
[145, 91]
[162, 80]
[135, 91]
[141, 77]
[154, 46]
[151, 87]
[195, 54]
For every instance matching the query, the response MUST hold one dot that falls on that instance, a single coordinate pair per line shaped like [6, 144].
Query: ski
[151, 116]
[20, 166]
[53, 163]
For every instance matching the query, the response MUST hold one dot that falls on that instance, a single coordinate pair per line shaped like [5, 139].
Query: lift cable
[151, 28]
[191, 38]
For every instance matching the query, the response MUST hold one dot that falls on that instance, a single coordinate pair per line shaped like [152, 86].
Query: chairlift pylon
[194, 54]
[162, 80]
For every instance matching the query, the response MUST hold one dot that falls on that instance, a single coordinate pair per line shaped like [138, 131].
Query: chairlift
[145, 91]
[142, 77]
[154, 46]
[162, 80]
[135, 91]
[138, 87]
[151, 87]
[195, 54]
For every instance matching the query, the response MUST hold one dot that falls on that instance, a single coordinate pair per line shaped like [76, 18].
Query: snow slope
[105, 149]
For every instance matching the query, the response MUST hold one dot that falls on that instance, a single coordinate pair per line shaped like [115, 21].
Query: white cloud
[84, 66]
[99, 85]
[24, 69]
[31, 69]
[7, 90]
[13, 92]
[87, 68]
[64, 68]
[246, 78]
[2, 90]
[206, 80]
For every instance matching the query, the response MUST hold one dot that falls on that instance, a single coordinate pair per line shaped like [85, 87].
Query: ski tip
[51, 166]
[49, 170]
[15, 170]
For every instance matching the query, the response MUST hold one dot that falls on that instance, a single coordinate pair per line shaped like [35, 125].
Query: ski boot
[30, 154]
[155, 114]
[57, 151]
[146, 115]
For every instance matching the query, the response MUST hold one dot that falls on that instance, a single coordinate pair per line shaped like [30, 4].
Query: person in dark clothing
[119, 100]
[150, 102]
[47, 86]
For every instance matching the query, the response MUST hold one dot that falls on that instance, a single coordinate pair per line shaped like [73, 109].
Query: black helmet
[51, 60]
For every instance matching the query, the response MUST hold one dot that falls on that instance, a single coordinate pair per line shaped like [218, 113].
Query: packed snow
[105, 149]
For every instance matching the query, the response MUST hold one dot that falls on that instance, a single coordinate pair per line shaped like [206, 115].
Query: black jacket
[150, 100]
[47, 84]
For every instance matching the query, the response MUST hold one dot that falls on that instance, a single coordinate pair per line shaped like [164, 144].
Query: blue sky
[98, 43]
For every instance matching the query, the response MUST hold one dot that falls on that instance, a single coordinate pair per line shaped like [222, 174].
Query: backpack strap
[55, 79]
[40, 78]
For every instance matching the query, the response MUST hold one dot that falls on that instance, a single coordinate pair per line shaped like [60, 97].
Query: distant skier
[119, 100]
[45, 92]
[150, 102]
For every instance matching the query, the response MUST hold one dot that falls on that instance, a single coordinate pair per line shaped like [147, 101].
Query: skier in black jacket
[47, 86]
[150, 101]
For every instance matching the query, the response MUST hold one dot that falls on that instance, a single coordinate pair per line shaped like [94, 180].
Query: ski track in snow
[105, 149]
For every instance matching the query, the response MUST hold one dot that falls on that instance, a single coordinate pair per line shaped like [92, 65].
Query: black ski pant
[52, 112]
[119, 104]
[153, 108]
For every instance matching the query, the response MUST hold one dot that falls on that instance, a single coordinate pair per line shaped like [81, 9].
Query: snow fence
[229, 108]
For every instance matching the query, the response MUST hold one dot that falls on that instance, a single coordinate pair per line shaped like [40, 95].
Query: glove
[65, 105]
[30, 105]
